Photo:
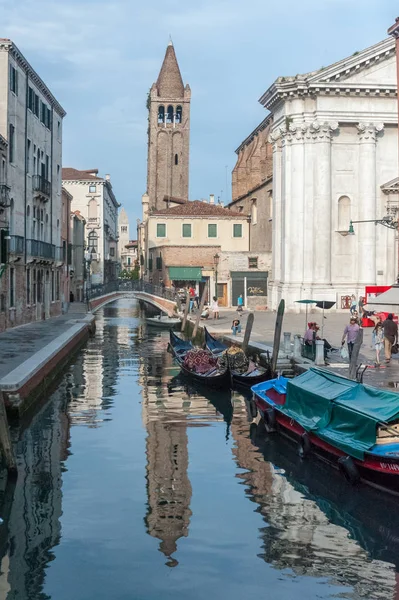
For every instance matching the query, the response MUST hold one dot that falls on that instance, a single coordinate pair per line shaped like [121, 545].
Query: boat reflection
[315, 524]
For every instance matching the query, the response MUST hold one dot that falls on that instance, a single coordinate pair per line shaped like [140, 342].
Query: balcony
[17, 245]
[40, 250]
[93, 222]
[41, 187]
[4, 195]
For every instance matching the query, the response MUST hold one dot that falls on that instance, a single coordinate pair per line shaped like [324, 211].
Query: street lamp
[216, 259]
[387, 221]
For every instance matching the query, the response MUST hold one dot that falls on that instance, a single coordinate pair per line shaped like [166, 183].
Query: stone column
[275, 139]
[367, 209]
[296, 211]
[321, 133]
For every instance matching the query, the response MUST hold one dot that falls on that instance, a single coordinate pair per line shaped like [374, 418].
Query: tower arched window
[169, 116]
[179, 113]
[344, 213]
[161, 114]
[176, 159]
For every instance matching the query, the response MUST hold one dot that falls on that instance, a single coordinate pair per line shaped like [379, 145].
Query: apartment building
[32, 265]
[78, 270]
[94, 198]
[127, 247]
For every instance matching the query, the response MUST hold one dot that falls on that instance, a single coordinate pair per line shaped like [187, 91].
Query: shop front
[251, 285]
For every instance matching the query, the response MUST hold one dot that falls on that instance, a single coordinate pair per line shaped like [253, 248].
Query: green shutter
[237, 230]
[187, 230]
[161, 230]
[212, 230]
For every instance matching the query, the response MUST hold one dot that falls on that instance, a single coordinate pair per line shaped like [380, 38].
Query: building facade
[31, 207]
[127, 247]
[252, 186]
[94, 198]
[199, 242]
[78, 270]
[168, 134]
[335, 148]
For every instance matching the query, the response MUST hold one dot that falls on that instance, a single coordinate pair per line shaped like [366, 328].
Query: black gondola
[216, 379]
[247, 379]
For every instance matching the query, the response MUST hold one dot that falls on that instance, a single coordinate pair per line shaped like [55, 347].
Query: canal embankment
[33, 355]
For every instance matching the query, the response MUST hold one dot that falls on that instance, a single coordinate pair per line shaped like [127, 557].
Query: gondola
[253, 376]
[214, 379]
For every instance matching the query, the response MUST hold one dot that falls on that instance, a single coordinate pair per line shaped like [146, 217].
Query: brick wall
[183, 256]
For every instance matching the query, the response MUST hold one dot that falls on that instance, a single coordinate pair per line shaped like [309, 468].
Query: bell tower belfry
[168, 134]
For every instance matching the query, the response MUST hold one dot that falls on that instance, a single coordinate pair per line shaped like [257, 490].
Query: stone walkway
[20, 343]
[334, 324]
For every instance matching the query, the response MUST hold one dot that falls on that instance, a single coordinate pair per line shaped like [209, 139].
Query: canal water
[135, 485]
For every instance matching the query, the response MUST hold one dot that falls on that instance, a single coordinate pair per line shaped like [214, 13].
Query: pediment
[375, 66]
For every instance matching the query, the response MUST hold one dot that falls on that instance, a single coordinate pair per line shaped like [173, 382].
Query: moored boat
[163, 321]
[204, 372]
[350, 425]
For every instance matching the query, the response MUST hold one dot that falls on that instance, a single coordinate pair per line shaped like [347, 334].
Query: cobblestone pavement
[20, 343]
[334, 324]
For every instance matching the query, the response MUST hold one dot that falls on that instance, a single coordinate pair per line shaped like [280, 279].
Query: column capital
[323, 131]
[368, 132]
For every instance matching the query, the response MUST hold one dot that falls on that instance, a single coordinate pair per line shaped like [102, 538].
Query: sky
[99, 58]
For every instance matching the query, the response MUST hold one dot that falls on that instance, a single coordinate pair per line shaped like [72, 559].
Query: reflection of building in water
[33, 526]
[299, 535]
[169, 408]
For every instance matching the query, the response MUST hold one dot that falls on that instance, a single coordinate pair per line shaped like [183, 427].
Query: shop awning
[185, 273]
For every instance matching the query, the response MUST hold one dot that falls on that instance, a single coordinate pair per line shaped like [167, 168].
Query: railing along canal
[132, 286]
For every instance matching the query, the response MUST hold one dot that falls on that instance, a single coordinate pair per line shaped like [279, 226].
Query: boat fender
[270, 420]
[349, 469]
[253, 409]
[304, 445]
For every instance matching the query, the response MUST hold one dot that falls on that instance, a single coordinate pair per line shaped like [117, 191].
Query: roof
[70, 174]
[196, 208]
[9, 46]
[131, 244]
[342, 76]
[169, 83]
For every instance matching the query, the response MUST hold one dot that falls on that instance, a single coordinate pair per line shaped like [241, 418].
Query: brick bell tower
[168, 134]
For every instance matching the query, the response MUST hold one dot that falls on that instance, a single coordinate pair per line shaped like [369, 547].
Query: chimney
[108, 177]
[211, 198]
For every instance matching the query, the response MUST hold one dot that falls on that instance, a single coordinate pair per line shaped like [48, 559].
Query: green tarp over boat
[341, 412]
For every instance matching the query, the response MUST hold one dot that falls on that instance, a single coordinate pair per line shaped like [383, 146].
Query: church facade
[335, 148]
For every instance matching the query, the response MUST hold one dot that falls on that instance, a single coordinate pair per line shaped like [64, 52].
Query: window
[92, 188]
[176, 159]
[36, 104]
[169, 115]
[212, 230]
[48, 118]
[112, 251]
[178, 114]
[92, 212]
[159, 263]
[14, 80]
[123, 228]
[43, 113]
[186, 230]
[237, 230]
[58, 130]
[11, 143]
[161, 114]
[28, 146]
[128, 261]
[252, 262]
[31, 99]
[161, 230]
[93, 241]
[47, 167]
[344, 213]
[12, 286]
[150, 263]
[254, 211]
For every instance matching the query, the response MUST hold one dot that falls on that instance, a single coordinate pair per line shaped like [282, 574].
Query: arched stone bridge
[164, 300]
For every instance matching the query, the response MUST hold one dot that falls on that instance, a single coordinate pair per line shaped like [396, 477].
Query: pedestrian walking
[378, 341]
[390, 336]
[191, 293]
[350, 334]
[215, 307]
[240, 303]
[353, 306]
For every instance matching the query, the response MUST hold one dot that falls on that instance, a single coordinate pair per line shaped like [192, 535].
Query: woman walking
[215, 308]
[378, 341]
[353, 306]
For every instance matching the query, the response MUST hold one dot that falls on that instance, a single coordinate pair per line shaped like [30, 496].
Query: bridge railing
[132, 286]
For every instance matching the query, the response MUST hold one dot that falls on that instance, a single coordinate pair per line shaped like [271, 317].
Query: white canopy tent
[386, 302]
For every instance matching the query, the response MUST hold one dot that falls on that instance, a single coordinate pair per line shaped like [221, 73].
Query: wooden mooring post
[277, 335]
[201, 308]
[247, 334]
[5, 440]
[186, 309]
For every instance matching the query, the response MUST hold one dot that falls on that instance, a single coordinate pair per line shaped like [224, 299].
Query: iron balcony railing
[17, 244]
[39, 249]
[40, 184]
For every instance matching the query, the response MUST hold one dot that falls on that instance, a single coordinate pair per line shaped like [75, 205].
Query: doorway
[222, 294]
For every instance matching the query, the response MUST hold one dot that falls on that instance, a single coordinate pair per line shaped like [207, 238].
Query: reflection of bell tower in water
[168, 486]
